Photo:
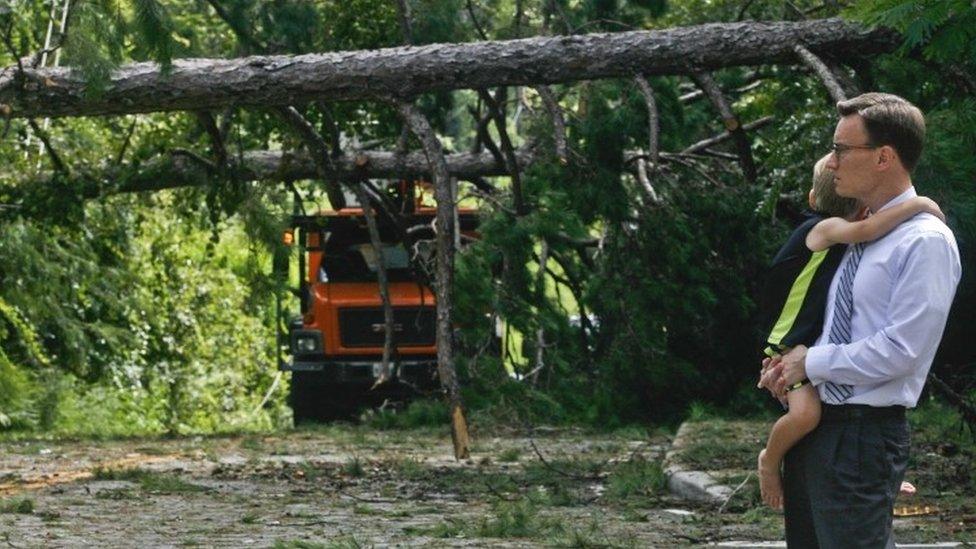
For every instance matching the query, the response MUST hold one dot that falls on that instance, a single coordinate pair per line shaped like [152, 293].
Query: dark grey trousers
[840, 483]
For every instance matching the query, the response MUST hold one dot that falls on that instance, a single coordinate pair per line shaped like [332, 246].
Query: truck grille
[364, 327]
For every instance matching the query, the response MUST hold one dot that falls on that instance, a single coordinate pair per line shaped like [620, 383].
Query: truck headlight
[305, 342]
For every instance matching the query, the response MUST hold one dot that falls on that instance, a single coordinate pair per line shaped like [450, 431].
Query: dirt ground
[358, 487]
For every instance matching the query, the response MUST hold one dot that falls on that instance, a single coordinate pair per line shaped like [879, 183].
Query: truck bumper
[415, 372]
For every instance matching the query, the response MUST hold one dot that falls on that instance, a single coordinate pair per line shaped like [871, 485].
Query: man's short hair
[890, 120]
[825, 198]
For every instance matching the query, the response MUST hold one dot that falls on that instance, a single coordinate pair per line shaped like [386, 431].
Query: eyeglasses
[838, 149]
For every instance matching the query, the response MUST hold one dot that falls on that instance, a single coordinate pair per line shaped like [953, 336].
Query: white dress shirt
[902, 293]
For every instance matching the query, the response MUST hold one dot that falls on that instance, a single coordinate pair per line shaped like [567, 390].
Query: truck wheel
[314, 400]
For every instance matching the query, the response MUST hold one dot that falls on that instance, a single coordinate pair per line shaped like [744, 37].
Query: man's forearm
[868, 361]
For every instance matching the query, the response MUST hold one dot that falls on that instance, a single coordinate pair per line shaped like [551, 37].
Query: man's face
[854, 159]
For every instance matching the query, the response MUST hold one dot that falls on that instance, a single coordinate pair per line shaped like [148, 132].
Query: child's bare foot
[770, 483]
[907, 489]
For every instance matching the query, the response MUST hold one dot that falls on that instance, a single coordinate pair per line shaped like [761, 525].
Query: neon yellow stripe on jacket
[795, 299]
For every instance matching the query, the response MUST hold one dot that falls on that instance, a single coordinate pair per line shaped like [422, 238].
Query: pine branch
[169, 172]
[125, 142]
[967, 409]
[653, 129]
[482, 137]
[474, 21]
[59, 165]
[319, 150]
[725, 136]
[403, 13]
[242, 33]
[206, 120]
[156, 29]
[498, 115]
[822, 72]
[753, 83]
[558, 122]
[732, 125]
[374, 239]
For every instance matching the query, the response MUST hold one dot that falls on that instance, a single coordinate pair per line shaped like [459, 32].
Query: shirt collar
[907, 195]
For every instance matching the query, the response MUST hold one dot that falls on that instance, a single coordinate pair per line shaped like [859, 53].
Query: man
[886, 311]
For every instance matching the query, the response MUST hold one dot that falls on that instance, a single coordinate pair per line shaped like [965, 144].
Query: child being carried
[796, 298]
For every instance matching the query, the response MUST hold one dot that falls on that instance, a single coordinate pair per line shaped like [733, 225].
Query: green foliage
[20, 339]
[944, 30]
[151, 344]
[636, 477]
[937, 423]
[14, 390]
[438, 21]
[94, 44]
[360, 24]
[21, 506]
[150, 481]
[519, 519]
[354, 468]
[739, 447]
[510, 455]
[156, 28]
[419, 413]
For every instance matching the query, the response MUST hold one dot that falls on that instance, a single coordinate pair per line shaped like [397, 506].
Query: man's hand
[794, 367]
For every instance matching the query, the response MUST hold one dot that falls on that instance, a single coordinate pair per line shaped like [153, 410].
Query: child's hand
[767, 363]
[772, 371]
[928, 205]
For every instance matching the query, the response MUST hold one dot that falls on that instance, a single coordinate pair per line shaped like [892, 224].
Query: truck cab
[334, 348]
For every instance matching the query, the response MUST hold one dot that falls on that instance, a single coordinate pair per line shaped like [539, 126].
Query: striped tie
[840, 328]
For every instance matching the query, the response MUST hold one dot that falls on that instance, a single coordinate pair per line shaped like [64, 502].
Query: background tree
[630, 273]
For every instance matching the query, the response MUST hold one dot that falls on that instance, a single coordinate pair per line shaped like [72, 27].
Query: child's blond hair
[825, 198]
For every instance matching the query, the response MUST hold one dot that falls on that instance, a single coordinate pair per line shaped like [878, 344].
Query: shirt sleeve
[920, 300]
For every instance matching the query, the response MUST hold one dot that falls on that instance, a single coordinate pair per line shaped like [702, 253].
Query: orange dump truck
[336, 344]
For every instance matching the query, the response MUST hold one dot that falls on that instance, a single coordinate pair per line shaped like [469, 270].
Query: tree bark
[277, 80]
[725, 136]
[496, 109]
[731, 122]
[653, 123]
[823, 73]
[444, 280]
[177, 170]
[384, 285]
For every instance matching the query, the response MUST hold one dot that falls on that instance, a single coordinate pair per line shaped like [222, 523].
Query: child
[799, 280]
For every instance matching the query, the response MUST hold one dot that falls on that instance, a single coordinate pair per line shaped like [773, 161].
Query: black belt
[845, 412]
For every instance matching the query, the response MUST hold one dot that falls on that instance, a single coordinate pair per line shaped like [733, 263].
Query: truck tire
[315, 400]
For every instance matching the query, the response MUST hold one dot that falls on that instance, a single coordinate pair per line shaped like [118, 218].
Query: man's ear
[886, 157]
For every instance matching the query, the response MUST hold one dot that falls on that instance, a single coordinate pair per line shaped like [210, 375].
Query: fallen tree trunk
[179, 170]
[201, 84]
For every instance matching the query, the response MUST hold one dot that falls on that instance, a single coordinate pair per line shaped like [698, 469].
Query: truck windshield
[359, 263]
